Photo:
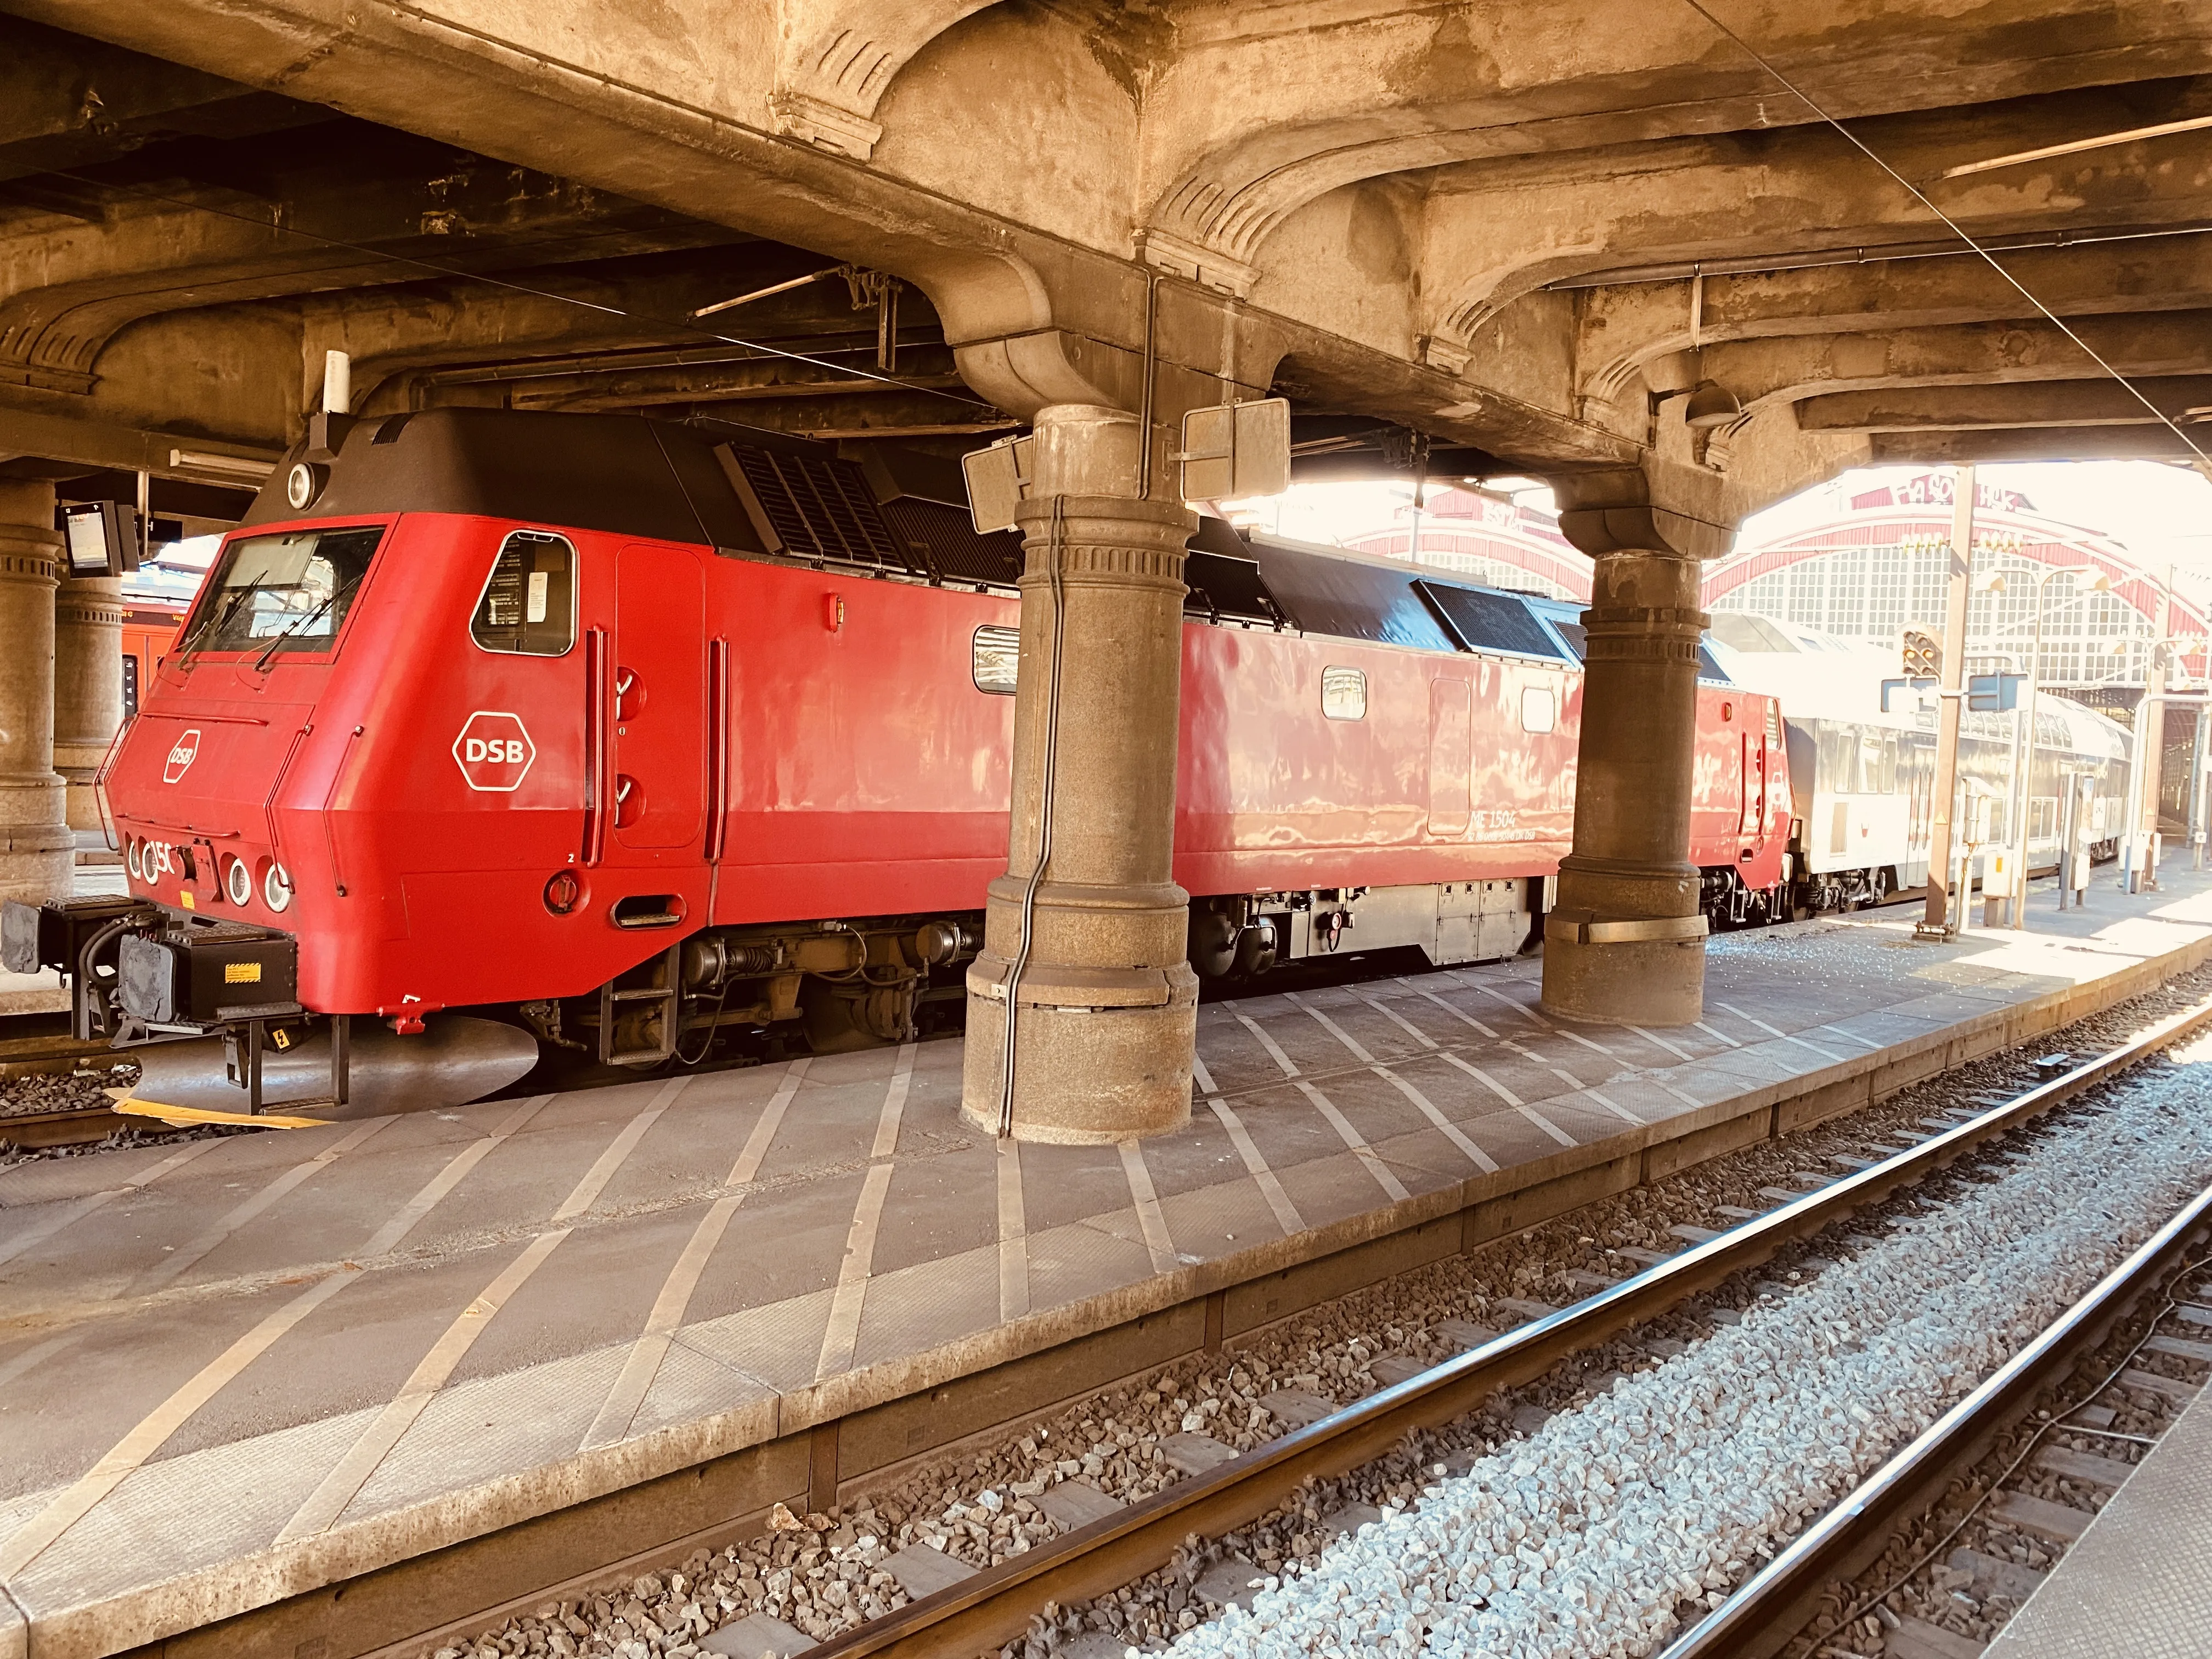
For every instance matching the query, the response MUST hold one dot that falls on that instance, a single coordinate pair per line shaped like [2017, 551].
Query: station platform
[2138, 1583]
[621, 1323]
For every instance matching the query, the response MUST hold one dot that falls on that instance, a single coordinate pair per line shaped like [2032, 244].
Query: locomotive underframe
[844, 983]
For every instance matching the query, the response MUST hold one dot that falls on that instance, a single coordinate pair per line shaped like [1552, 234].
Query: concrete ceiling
[1526, 233]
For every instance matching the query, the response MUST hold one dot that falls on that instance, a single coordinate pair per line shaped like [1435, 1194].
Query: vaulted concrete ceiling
[1527, 231]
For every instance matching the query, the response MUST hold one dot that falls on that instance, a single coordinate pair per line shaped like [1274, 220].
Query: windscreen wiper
[261, 661]
[216, 622]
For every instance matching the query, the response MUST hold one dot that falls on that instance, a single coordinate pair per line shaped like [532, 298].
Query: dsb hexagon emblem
[494, 751]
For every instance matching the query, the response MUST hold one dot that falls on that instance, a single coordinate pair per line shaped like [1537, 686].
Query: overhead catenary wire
[665, 325]
[2204, 460]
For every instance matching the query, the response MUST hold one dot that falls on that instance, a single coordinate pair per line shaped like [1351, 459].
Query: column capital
[1656, 508]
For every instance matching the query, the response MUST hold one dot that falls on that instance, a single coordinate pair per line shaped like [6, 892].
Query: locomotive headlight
[237, 881]
[131, 860]
[303, 484]
[276, 888]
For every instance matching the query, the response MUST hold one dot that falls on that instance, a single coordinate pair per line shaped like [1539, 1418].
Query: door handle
[717, 746]
[596, 723]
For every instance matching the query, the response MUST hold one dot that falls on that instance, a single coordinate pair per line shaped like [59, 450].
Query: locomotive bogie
[841, 984]
[1241, 936]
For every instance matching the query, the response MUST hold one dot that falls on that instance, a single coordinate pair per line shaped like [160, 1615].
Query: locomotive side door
[658, 694]
[1451, 737]
[1753, 821]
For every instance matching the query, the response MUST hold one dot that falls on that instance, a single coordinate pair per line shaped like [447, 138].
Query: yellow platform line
[182, 1114]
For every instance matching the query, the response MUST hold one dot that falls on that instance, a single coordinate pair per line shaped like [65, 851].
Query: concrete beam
[1761, 371]
[2093, 443]
[2067, 403]
[1038, 318]
[97, 445]
[1620, 329]
[1503, 228]
[71, 287]
[1262, 112]
[64, 98]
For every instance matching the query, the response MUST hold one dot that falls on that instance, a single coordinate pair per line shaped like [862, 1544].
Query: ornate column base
[1612, 951]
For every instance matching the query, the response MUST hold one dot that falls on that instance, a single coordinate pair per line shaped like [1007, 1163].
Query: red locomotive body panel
[420, 791]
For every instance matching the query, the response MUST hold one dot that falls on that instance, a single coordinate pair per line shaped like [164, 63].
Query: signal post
[1937, 922]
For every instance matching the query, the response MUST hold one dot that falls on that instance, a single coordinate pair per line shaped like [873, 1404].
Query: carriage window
[529, 603]
[282, 593]
[998, 659]
[1539, 710]
[1343, 694]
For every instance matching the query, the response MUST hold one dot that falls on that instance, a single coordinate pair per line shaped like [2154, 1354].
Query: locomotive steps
[360, 1385]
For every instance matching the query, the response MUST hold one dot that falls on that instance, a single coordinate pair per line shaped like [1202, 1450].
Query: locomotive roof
[894, 512]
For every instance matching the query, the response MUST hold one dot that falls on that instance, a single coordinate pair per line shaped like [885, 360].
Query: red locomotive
[628, 735]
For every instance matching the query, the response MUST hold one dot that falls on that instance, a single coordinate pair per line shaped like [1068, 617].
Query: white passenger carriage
[1862, 778]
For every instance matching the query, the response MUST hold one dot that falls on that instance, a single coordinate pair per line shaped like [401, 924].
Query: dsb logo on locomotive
[494, 751]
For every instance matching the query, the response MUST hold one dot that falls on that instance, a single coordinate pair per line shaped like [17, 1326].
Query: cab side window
[529, 602]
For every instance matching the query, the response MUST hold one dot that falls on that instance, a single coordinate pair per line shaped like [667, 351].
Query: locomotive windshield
[280, 593]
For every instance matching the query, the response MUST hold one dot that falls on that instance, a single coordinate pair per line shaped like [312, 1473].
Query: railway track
[32, 1045]
[995, 1606]
[1777, 1607]
[1503, 1270]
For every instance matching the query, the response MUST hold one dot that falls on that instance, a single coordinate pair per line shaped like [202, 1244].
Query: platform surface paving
[235, 1368]
[2138, 1584]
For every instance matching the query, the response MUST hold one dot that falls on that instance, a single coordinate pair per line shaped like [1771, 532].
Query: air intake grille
[1484, 621]
[812, 507]
[943, 541]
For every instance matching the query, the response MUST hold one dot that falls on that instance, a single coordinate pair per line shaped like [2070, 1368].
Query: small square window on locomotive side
[1540, 708]
[528, 606]
[1343, 694]
[998, 659]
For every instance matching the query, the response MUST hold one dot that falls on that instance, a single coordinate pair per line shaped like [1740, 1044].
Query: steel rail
[994, 1606]
[76, 1126]
[1776, 1604]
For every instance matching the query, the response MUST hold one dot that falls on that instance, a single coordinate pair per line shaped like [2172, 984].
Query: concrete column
[1623, 940]
[88, 686]
[1106, 1007]
[36, 857]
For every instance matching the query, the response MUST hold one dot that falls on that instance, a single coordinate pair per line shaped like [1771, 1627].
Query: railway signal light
[1924, 656]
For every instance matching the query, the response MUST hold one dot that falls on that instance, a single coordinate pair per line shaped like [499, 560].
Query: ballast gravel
[1600, 1533]
[61, 1091]
[825, 1574]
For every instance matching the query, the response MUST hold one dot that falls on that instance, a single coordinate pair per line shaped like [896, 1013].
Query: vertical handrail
[330, 831]
[595, 746]
[275, 784]
[100, 785]
[718, 747]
